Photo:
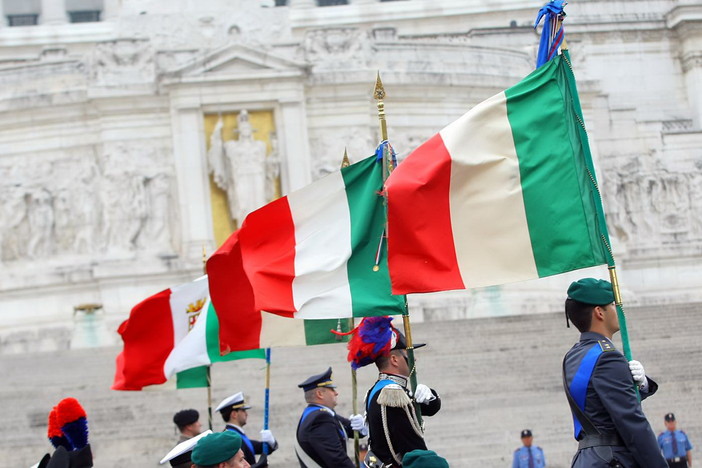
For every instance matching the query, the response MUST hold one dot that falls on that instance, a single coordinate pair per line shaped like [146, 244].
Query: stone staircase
[496, 377]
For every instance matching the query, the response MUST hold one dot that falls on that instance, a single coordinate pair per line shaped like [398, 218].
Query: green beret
[591, 291]
[216, 448]
[423, 459]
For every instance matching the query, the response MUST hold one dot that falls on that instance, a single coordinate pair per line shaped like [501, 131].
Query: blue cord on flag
[386, 148]
[550, 38]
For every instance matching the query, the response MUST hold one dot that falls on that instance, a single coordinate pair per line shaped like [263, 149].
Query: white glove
[639, 374]
[267, 437]
[423, 394]
[358, 423]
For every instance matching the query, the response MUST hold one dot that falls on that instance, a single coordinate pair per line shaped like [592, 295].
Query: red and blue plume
[72, 420]
[54, 432]
[371, 339]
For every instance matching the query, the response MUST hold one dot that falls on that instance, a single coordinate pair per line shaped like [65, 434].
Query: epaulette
[327, 410]
[394, 396]
[606, 345]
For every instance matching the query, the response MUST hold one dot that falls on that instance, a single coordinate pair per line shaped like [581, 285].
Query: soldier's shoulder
[606, 346]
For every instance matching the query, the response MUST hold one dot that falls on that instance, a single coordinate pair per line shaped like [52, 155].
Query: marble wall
[103, 151]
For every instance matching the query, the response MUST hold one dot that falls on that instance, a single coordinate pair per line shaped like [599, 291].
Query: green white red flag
[505, 193]
[153, 329]
[317, 253]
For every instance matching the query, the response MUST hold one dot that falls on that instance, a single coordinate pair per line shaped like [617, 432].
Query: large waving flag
[317, 253]
[174, 331]
[153, 329]
[200, 347]
[505, 193]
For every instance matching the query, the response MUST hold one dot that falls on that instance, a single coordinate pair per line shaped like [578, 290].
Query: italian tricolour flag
[318, 253]
[155, 326]
[505, 193]
[176, 332]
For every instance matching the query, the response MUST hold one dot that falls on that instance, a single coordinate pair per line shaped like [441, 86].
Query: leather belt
[676, 459]
[597, 440]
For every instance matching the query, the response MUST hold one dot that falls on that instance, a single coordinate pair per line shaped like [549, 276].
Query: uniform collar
[234, 426]
[324, 408]
[398, 379]
[586, 336]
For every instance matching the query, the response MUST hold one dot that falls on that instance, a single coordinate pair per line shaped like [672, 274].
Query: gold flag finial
[379, 95]
[345, 160]
[379, 92]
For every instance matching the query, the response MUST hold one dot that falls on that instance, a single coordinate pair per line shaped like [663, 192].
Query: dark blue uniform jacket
[609, 400]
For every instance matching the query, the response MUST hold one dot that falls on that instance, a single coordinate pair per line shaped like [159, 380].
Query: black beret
[185, 417]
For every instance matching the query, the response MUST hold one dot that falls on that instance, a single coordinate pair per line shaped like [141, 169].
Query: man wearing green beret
[219, 450]
[423, 459]
[609, 424]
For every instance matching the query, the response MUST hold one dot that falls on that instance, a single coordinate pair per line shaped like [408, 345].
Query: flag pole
[354, 384]
[388, 166]
[267, 396]
[611, 266]
[209, 375]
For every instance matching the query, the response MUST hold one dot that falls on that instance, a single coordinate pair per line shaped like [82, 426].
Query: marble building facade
[108, 110]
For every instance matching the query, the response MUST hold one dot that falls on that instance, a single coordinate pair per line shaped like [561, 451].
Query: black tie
[675, 445]
[531, 458]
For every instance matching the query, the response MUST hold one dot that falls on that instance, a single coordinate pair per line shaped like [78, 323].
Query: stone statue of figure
[41, 223]
[239, 167]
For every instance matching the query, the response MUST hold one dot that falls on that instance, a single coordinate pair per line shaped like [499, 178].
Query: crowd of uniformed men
[602, 388]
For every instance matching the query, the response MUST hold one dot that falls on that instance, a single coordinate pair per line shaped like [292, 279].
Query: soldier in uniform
[674, 444]
[180, 455]
[188, 424]
[390, 404]
[234, 413]
[219, 450]
[321, 433]
[528, 455]
[610, 426]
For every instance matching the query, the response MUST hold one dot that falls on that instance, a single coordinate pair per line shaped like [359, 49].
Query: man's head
[234, 409]
[376, 340]
[670, 423]
[423, 459]
[180, 455]
[219, 450]
[590, 306]
[527, 438]
[320, 389]
[188, 422]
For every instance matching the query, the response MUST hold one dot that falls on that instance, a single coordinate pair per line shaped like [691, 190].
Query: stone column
[194, 206]
[53, 12]
[686, 19]
[295, 148]
[303, 3]
[692, 67]
[110, 10]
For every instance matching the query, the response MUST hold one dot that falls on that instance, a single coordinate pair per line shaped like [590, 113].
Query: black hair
[226, 413]
[580, 314]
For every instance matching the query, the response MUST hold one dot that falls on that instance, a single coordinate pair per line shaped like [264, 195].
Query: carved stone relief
[123, 61]
[336, 48]
[66, 205]
[648, 204]
[328, 144]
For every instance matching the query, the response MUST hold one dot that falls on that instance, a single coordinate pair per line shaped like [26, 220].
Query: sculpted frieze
[123, 61]
[87, 203]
